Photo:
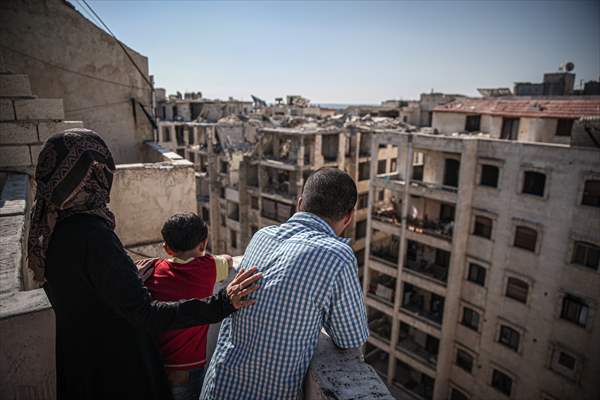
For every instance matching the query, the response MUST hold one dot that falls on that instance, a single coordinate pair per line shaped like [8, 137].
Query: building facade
[483, 255]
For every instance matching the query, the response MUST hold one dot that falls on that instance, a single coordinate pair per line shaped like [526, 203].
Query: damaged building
[483, 253]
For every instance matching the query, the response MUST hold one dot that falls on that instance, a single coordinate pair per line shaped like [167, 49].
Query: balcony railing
[428, 268]
[433, 186]
[282, 189]
[388, 215]
[385, 255]
[407, 344]
[439, 229]
[417, 308]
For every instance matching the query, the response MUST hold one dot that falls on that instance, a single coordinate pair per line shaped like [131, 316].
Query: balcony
[382, 287]
[389, 215]
[442, 230]
[423, 304]
[418, 345]
[413, 381]
[380, 325]
[385, 250]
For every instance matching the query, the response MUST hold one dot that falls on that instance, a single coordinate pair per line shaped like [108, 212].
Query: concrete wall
[66, 56]
[145, 195]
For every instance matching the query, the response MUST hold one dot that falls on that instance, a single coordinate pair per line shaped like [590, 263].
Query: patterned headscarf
[74, 175]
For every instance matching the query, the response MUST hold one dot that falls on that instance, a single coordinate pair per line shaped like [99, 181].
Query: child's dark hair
[183, 232]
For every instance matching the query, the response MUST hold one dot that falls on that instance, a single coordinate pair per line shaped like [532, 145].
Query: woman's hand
[241, 286]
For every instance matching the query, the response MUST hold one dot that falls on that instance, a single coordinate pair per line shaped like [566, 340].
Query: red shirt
[183, 349]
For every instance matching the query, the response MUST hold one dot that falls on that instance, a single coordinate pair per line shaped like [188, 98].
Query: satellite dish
[569, 66]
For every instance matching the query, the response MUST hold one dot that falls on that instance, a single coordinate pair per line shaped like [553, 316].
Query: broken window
[574, 310]
[234, 211]
[510, 128]
[365, 145]
[224, 167]
[361, 230]
[483, 227]
[364, 171]
[166, 134]
[179, 135]
[418, 166]
[381, 166]
[191, 135]
[517, 289]
[534, 183]
[473, 123]
[233, 235]
[254, 202]
[564, 127]
[586, 255]
[525, 238]
[269, 209]
[451, 172]
[363, 201]
[489, 175]
[591, 193]
[329, 147]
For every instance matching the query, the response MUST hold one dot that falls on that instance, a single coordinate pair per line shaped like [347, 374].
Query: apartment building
[483, 253]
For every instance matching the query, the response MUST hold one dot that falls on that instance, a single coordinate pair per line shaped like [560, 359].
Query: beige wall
[66, 56]
[145, 195]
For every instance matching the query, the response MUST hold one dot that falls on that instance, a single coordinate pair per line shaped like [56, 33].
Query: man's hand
[241, 286]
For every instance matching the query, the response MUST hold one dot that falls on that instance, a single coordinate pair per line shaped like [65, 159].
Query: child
[188, 273]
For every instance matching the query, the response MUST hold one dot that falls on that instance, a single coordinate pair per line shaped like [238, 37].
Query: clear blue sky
[353, 51]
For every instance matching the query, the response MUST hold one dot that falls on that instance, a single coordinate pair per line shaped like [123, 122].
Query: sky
[354, 51]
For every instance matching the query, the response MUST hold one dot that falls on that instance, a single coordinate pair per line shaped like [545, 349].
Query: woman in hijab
[106, 321]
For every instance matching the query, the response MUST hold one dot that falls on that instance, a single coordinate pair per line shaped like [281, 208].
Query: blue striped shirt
[310, 282]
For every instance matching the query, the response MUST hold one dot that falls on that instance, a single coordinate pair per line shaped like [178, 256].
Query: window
[534, 183]
[501, 382]
[509, 337]
[205, 215]
[483, 227]
[166, 134]
[393, 165]
[464, 360]
[254, 202]
[233, 235]
[222, 192]
[223, 220]
[517, 289]
[456, 394]
[191, 136]
[586, 255]
[361, 229]
[564, 127]
[442, 258]
[566, 360]
[363, 201]
[380, 195]
[473, 123]
[181, 152]
[525, 238]
[591, 193]
[451, 168]
[192, 157]
[224, 167]
[510, 128]
[476, 274]
[470, 318]
[381, 166]
[363, 171]
[418, 166]
[489, 175]
[574, 310]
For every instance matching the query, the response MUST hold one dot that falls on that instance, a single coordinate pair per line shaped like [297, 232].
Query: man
[310, 282]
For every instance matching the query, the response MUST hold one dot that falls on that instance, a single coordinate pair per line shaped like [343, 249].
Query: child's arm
[224, 263]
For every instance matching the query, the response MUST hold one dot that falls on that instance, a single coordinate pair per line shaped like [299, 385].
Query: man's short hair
[183, 232]
[329, 193]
